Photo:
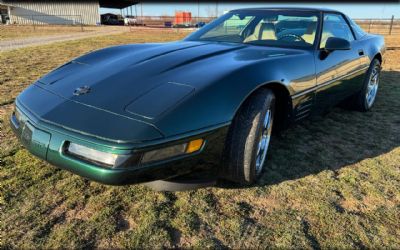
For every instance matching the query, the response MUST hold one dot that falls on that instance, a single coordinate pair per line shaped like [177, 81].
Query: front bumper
[47, 142]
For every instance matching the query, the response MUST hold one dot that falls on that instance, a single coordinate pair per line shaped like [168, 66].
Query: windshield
[266, 27]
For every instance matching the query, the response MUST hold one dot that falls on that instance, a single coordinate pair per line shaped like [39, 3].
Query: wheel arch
[378, 56]
[283, 106]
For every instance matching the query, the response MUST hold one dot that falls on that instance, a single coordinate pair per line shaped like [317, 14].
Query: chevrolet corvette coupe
[207, 104]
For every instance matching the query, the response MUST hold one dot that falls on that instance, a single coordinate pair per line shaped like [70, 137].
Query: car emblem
[82, 90]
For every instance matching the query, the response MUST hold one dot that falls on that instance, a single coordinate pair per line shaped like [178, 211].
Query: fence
[388, 26]
[159, 21]
[378, 26]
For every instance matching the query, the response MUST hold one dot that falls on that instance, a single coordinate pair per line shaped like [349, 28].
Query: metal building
[72, 12]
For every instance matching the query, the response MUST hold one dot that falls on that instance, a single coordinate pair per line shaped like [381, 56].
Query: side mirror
[336, 43]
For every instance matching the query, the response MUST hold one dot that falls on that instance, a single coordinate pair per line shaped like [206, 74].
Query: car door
[337, 71]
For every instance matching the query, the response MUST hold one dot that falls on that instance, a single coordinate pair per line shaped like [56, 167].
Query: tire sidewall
[251, 174]
[239, 157]
[363, 100]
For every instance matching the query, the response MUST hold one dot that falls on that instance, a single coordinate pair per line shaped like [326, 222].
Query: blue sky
[353, 10]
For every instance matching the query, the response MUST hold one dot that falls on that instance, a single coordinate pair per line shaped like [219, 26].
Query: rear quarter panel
[373, 45]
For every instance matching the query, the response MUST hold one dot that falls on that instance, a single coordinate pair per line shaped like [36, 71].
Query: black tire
[244, 136]
[360, 100]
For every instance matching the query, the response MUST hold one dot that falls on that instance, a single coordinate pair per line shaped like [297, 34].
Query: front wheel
[249, 137]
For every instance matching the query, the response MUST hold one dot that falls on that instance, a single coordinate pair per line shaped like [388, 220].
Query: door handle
[360, 52]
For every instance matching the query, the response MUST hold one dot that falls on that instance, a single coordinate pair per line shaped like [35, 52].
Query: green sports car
[206, 105]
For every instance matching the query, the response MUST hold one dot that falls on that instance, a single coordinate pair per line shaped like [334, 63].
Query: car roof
[290, 8]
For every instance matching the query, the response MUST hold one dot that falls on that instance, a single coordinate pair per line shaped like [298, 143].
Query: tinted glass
[230, 27]
[335, 26]
[270, 28]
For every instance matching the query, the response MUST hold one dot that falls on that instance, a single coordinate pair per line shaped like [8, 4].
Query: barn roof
[120, 4]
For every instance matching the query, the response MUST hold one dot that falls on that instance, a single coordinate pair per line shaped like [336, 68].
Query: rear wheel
[365, 99]
[249, 137]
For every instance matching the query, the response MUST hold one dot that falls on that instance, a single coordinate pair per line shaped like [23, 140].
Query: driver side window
[335, 26]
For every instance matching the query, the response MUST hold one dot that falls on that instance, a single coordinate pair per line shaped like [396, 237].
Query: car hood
[145, 81]
[123, 79]
[119, 77]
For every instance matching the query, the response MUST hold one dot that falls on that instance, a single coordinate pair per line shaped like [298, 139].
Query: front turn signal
[194, 146]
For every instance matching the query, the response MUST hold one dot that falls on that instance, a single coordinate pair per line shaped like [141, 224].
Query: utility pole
[216, 9]
[9, 21]
[136, 17]
[198, 10]
[136, 11]
[141, 11]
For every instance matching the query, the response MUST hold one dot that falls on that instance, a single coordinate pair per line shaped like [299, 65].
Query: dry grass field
[333, 182]
[380, 27]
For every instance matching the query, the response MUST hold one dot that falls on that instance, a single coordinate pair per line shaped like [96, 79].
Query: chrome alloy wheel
[263, 142]
[372, 87]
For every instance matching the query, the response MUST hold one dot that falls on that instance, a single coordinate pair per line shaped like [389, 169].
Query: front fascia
[206, 159]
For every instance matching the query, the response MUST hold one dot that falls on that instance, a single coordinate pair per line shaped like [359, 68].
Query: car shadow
[336, 140]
